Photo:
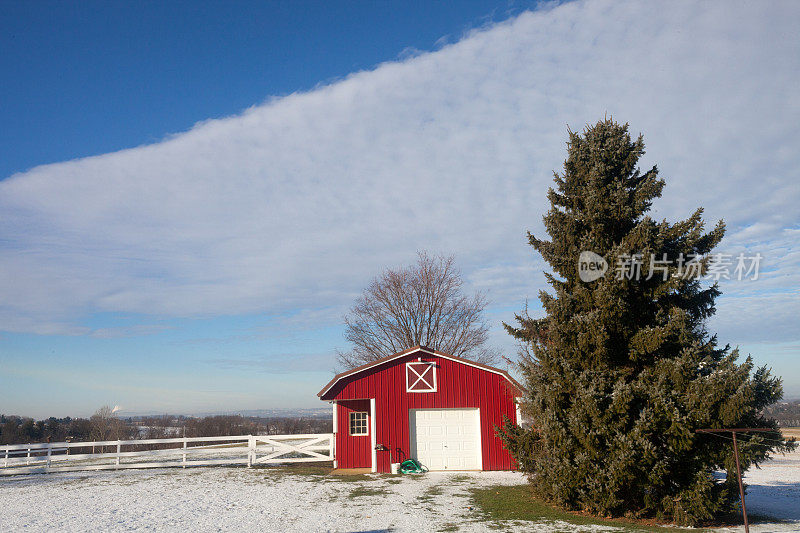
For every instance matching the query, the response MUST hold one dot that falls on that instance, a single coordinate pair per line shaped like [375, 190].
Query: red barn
[436, 408]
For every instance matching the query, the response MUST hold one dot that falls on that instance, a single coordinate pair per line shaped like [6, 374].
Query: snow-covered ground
[774, 491]
[241, 499]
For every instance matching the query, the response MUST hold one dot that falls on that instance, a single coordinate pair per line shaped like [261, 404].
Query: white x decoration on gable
[420, 377]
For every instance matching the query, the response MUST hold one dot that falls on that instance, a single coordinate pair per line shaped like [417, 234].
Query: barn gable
[328, 392]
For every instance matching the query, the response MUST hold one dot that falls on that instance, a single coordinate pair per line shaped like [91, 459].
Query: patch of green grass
[448, 527]
[80, 480]
[359, 492]
[350, 479]
[460, 478]
[317, 471]
[429, 494]
[516, 503]
[309, 469]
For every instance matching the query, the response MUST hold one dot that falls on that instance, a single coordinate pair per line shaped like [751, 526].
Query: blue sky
[193, 194]
[85, 78]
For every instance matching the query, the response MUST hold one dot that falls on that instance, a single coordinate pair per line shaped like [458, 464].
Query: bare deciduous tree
[422, 304]
[105, 424]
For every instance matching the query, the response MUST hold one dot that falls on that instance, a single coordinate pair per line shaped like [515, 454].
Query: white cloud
[296, 203]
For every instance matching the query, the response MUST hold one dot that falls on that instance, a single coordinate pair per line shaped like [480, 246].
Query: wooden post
[29, 457]
[251, 450]
[119, 449]
[185, 444]
[741, 487]
[49, 453]
[5, 462]
[733, 432]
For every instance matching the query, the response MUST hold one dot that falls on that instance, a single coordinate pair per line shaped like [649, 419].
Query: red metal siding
[458, 385]
[351, 452]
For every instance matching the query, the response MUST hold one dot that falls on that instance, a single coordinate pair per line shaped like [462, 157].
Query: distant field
[791, 432]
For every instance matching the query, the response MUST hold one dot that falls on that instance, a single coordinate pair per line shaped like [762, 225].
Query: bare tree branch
[418, 305]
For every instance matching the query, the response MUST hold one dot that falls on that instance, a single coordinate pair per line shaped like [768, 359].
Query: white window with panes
[358, 423]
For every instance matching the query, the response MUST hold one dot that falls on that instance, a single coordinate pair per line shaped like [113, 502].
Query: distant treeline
[104, 426]
[156, 427]
[786, 413]
[21, 430]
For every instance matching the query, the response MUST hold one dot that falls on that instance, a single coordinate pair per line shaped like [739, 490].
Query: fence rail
[173, 452]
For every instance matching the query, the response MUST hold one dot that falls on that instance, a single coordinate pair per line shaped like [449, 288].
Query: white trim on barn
[373, 441]
[480, 442]
[335, 427]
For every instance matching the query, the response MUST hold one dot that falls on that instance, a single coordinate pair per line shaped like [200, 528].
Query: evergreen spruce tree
[620, 372]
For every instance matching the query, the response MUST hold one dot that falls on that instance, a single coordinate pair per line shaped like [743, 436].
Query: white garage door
[446, 439]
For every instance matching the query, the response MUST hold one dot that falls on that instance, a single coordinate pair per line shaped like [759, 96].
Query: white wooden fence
[176, 452]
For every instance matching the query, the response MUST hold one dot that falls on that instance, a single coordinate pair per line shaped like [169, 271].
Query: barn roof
[425, 349]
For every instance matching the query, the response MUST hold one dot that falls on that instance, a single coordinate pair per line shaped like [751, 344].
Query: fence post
[29, 457]
[49, 453]
[185, 444]
[251, 450]
[5, 462]
[119, 449]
